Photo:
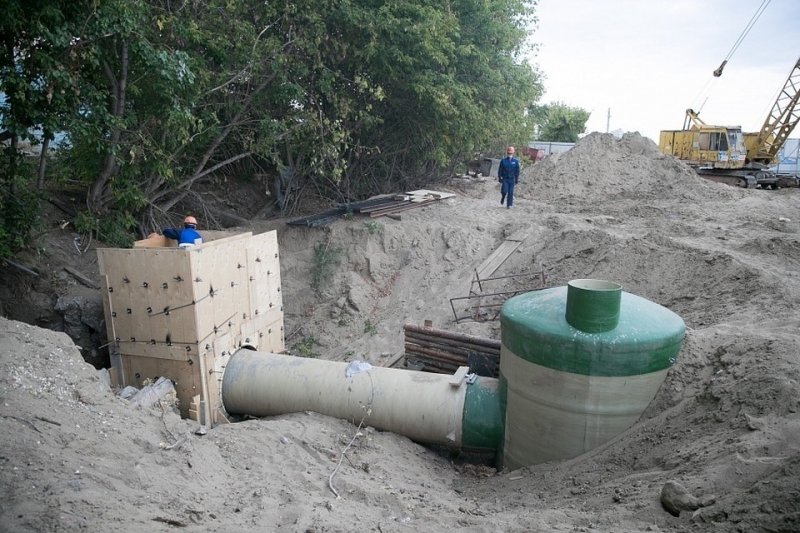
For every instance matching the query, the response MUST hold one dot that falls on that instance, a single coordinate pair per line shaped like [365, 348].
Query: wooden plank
[403, 207]
[82, 278]
[386, 206]
[193, 408]
[459, 376]
[389, 363]
[220, 417]
[491, 263]
[159, 241]
[434, 194]
[497, 258]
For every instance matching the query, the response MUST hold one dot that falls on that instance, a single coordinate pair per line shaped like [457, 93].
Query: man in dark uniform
[508, 175]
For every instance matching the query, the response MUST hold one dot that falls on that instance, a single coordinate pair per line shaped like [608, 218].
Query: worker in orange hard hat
[188, 236]
[508, 176]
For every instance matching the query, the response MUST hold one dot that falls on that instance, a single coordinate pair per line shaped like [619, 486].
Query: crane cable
[705, 92]
[753, 20]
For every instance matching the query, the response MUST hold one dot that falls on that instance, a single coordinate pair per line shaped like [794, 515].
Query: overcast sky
[650, 60]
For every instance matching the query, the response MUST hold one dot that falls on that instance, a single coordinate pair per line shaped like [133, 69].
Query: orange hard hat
[510, 150]
[190, 220]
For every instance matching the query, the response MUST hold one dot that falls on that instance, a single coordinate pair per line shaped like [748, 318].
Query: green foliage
[370, 328]
[114, 230]
[374, 227]
[305, 348]
[85, 222]
[19, 203]
[19, 219]
[326, 259]
[348, 97]
[558, 122]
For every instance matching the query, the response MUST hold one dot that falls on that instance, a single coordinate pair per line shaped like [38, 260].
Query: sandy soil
[724, 424]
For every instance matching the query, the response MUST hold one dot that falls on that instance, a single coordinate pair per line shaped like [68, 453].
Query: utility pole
[608, 119]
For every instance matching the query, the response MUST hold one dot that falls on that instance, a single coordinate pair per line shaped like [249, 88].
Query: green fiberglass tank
[578, 366]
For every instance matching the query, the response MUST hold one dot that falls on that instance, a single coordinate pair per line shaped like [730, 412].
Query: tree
[38, 59]
[341, 98]
[558, 122]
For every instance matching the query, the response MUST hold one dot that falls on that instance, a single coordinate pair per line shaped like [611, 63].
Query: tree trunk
[98, 195]
[43, 162]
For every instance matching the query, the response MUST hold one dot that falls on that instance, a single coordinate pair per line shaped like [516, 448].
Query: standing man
[188, 236]
[508, 175]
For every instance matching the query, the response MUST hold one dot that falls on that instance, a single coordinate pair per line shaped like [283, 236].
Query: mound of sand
[602, 166]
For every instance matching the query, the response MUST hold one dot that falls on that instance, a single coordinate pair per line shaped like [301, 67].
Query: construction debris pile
[374, 207]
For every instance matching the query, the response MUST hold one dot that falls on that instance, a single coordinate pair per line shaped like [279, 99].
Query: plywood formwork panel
[113, 350]
[184, 375]
[274, 277]
[113, 271]
[273, 340]
[223, 348]
[180, 313]
[171, 306]
[220, 284]
[172, 352]
[144, 292]
[254, 330]
[264, 278]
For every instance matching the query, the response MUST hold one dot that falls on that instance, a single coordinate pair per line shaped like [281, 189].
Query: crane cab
[706, 146]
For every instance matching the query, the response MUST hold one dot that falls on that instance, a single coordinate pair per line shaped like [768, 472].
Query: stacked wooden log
[444, 351]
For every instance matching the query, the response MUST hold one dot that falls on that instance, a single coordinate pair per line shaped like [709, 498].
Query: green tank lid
[543, 328]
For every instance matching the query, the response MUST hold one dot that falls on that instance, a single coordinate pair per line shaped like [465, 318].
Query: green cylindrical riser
[593, 305]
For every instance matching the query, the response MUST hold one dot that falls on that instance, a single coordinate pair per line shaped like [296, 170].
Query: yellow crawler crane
[763, 147]
[726, 155]
[716, 152]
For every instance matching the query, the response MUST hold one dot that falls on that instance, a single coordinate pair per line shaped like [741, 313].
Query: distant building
[550, 147]
[788, 158]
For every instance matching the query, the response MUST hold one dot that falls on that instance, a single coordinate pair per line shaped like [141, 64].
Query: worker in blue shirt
[508, 175]
[188, 236]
